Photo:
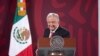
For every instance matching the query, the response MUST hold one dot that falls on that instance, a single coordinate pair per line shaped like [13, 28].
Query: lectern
[44, 47]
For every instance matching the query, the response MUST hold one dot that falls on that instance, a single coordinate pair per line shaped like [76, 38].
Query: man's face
[53, 23]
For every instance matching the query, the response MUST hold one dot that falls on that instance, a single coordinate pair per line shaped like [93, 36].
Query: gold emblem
[21, 35]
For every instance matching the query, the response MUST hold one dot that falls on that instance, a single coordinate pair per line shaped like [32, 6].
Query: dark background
[80, 17]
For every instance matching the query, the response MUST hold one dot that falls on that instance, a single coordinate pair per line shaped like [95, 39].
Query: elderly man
[54, 28]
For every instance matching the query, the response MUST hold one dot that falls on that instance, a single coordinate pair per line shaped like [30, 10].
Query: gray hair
[53, 15]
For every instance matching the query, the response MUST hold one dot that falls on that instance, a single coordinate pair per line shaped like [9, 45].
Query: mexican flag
[21, 41]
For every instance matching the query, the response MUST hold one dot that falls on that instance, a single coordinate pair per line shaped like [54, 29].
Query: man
[54, 28]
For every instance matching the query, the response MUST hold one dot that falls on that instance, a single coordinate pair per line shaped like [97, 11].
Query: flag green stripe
[18, 0]
[17, 18]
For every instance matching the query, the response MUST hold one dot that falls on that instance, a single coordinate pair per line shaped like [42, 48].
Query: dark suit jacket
[60, 32]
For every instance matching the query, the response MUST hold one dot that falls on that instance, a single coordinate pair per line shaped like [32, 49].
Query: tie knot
[51, 34]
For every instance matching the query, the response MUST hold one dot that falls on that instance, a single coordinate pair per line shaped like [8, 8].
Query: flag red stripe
[26, 52]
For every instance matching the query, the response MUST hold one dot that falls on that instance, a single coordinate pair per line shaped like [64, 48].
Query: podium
[44, 47]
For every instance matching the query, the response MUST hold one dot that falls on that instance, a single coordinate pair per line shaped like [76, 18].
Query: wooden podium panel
[68, 49]
[45, 42]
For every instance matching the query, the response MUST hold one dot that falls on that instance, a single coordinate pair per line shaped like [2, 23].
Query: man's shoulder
[46, 30]
[62, 29]
[63, 32]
